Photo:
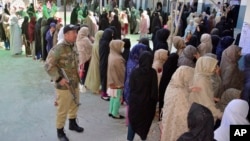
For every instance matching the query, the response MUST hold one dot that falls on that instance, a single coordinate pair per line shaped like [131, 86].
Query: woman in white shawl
[93, 81]
[84, 47]
[235, 113]
[176, 105]
[206, 45]
[15, 36]
[202, 88]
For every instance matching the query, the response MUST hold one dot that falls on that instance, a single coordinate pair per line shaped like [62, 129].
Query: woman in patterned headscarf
[202, 91]
[176, 104]
[206, 45]
[188, 55]
[231, 76]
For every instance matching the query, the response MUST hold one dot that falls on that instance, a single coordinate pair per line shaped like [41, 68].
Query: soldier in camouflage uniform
[64, 56]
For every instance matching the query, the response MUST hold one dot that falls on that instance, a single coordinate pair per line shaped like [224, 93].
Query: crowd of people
[200, 88]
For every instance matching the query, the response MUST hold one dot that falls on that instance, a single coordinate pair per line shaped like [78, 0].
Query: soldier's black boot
[61, 135]
[73, 126]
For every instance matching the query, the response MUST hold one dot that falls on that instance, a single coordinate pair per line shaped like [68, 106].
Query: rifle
[70, 87]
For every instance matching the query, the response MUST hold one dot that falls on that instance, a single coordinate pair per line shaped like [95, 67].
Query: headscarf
[127, 45]
[235, 114]
[200, 124]
[145, 41]
[231, 76]
[84, 45]
[226, 97]
[116, 64]
[187, 56]
[205, 45]
[160, 57]
[179, 44]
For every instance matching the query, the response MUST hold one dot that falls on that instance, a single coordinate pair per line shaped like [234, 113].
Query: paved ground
[28, 114]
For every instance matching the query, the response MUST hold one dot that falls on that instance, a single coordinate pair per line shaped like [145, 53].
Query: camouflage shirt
[63, 55]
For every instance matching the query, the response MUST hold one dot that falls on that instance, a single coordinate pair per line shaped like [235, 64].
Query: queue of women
[200, 88]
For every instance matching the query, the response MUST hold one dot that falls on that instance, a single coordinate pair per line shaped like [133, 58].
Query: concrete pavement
[28, 114]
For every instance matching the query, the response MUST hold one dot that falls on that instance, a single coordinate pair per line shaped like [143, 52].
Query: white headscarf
[235, 113]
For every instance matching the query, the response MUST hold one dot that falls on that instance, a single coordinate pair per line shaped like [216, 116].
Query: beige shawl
[179, 44]
[116, 65]
[204, 69]
[93, 81]
[231, 76]
[176, 104]
[84, 45]
[160, 57]
[206, 45]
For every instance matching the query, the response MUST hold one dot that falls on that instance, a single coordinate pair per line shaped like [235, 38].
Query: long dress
[15, 36]
[104, 53]
[92, 81]
[176, 104]
[143, 96]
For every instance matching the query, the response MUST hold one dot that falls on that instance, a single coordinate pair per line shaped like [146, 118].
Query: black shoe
[73, 126]
[119, 117]
[110, 115]
[106, 98]
[61, 135]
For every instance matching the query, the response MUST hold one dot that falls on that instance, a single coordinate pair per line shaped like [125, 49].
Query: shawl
[143, 95]
[116, 65]
[92, 81]
[204, 69]
[226, 97]
[205, 45]
[187, 56]
[235, 113]
[132, 63]
[200, 124]
[231, 76]
[179, 44]
[160, 57]
[84, 45]
[176, 104]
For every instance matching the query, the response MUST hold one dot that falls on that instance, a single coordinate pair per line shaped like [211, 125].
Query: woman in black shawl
[25, 36]
[104, 21]
[143, 97]
[104, 53]
[127, 47]
[169, 68]
[116, 23]
[200, 124]
[161, 37]
[145, 41]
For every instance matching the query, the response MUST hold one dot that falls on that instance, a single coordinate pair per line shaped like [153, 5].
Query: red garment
[31, 29]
